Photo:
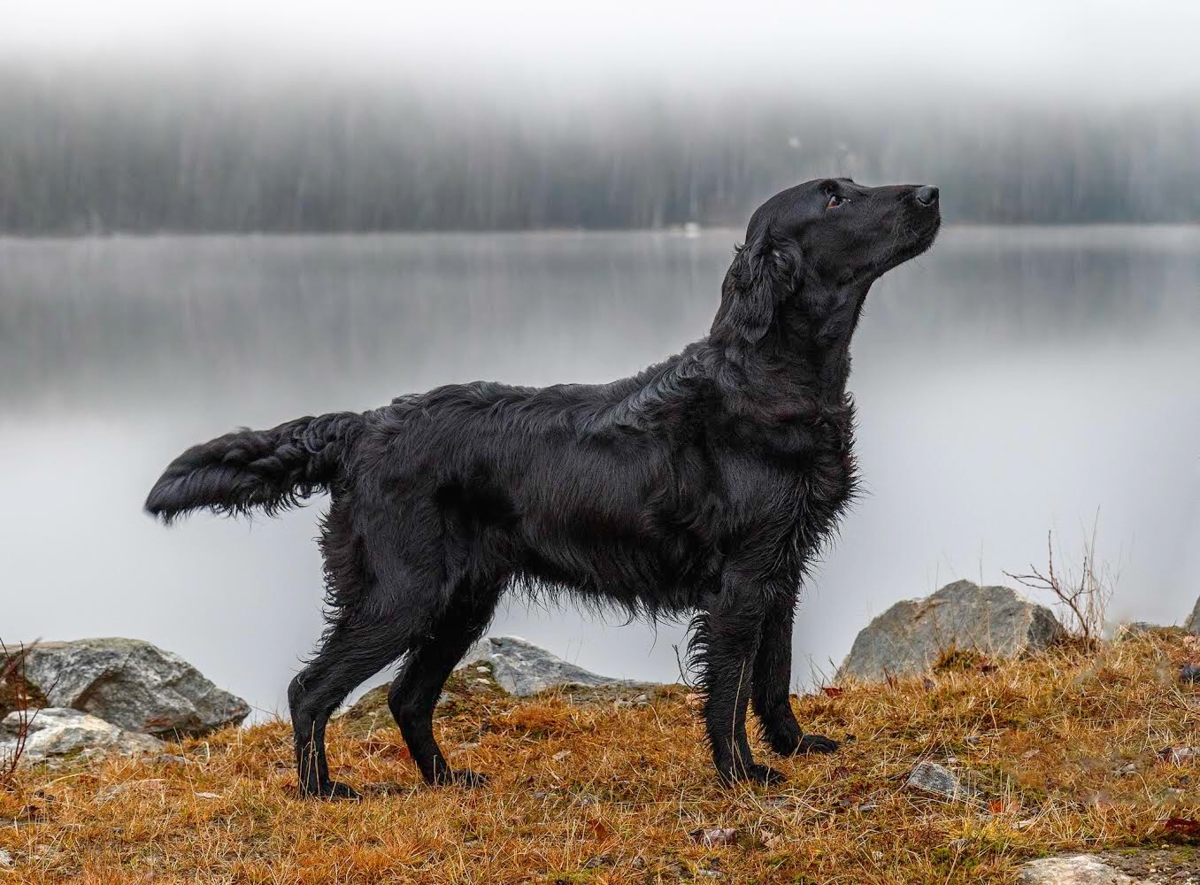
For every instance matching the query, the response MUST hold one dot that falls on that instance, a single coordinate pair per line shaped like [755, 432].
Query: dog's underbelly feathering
[703, 485]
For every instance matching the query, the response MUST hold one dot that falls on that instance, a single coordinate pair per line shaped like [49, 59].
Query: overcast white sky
[1101, 48]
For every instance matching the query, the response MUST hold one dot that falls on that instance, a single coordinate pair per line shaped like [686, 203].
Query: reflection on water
[1009, 382]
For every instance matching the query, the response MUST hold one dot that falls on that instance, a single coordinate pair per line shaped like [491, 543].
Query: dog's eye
[834, 201]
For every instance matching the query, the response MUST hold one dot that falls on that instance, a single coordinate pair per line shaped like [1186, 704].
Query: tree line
[141, 156]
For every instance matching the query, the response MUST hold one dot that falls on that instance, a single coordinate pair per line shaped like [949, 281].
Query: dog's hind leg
[369, 629]
[415, 691]
[352, 652]
[772, 679]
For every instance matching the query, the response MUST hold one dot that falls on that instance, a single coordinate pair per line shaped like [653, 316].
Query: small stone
[1189, 673]
[1179, 755]
[1082, 869]
[710, 874]
[1135, 629]
[6, 860]
[172, 759]
[207, 795]
[115, 791]
[561, 755]
[936, 780]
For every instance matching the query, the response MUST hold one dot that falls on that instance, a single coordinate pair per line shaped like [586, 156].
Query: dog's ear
[762, 274]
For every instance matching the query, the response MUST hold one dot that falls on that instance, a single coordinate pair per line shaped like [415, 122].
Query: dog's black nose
[926, 195]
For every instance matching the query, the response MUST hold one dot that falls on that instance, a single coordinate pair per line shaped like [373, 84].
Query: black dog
[703, 484]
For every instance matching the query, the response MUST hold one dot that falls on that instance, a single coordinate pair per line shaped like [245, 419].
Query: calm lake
[1011, 382]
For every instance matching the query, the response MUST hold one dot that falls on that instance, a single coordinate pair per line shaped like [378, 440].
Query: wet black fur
[704, 485]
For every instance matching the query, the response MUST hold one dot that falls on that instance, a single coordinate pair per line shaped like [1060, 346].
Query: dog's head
[817, 247]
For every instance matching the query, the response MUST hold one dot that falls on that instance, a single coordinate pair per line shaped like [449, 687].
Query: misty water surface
[1010, 382]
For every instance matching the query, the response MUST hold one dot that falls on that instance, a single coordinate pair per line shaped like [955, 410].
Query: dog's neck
[807, 348]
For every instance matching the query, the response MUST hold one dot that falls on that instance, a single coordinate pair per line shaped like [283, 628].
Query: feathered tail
[270, 470]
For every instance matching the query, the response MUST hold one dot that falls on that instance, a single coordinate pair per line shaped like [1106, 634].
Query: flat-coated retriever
[704, 484]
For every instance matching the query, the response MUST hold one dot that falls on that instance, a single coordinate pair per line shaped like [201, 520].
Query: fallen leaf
[715, 836]
[600, 830]
[1182, 826]
[1000, 806]
[832, 691]
[1179, 755]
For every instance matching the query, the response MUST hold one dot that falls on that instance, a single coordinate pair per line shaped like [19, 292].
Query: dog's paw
[334, 790]
[754, 774]
[764, 774]
[815, 743]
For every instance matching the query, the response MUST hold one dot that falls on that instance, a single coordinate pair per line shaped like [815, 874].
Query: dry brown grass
[1063, 746]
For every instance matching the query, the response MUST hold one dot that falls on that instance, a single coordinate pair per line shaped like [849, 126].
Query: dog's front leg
[772, 680]
[728, 637]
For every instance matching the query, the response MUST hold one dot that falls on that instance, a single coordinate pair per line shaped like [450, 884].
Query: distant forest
[141, 155]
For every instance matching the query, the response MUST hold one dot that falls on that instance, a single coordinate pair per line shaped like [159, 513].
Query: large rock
[133, 684]
[1082, 869]
[909, 636]
[57, 731]
[1193, 622]
[521, 668]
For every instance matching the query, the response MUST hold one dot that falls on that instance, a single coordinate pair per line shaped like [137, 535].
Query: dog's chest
[820, 473]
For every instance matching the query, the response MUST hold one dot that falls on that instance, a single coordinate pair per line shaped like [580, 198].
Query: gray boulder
[521, 668]
[909, 636]
[1081, 869]
[56, 732]
[1193, 622]
[132, 684]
